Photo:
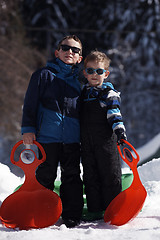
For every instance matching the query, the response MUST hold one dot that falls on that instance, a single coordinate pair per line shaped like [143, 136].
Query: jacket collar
[60, 66]
[103, 86]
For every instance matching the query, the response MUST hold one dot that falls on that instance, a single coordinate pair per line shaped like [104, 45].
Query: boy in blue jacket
[101, 128]
[51, 116]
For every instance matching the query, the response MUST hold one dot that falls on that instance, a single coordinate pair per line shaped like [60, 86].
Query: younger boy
[101, 128]
[51, 116]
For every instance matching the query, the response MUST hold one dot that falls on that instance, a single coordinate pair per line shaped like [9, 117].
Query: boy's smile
[95, 79]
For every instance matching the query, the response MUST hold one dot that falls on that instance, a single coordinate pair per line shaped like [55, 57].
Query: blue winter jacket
[51, 105]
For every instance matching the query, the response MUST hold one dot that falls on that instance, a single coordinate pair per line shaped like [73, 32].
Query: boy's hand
[28, 138]
[121, 135]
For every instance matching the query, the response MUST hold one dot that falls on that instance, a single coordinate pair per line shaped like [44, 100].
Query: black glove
[121, 135]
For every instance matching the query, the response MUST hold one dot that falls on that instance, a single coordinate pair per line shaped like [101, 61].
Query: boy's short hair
[74, 37]
[98, 56]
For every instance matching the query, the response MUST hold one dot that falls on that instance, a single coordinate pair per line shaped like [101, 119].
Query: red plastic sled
[128, 203]
[32, 206]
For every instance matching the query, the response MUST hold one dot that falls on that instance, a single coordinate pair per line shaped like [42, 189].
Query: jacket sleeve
[113, 111]
[31, 102]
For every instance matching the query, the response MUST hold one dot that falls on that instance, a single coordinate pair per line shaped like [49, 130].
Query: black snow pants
[71, 189]
[100, 159]
[102, 174]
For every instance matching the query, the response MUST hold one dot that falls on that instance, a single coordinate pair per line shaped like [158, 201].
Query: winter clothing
[71, 189]
[100, 117]
[51, 111]
[51, 105]
[121, 135]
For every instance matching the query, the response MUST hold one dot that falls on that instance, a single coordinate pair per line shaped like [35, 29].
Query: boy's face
[69, 56]
[95, 79]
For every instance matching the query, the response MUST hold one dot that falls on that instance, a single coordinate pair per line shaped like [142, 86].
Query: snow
[149, 149]
[145, 226]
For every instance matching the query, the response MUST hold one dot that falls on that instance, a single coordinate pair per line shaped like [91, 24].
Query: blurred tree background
[127, 31]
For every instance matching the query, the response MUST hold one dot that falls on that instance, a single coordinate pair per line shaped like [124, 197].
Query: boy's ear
[56, 53]
[107, 74]
[84, 73]
[80, 59]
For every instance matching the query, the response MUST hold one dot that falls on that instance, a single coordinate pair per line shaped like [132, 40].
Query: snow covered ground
[145, 226]
[149, 149]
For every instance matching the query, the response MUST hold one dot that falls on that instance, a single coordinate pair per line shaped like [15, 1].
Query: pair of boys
[51, 115]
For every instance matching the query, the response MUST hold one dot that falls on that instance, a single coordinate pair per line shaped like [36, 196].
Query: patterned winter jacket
[101, 110]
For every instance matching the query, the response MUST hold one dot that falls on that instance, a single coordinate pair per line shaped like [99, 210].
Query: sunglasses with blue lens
[99, 71]
[66, 48]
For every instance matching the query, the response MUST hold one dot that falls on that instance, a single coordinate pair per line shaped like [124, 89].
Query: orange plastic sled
[128, 203]
[32, 206]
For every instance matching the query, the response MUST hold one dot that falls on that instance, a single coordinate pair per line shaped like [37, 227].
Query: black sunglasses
[66, 48]
[99, 71]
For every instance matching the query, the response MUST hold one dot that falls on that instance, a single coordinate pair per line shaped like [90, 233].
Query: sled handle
[21, 142]
[127, 155]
